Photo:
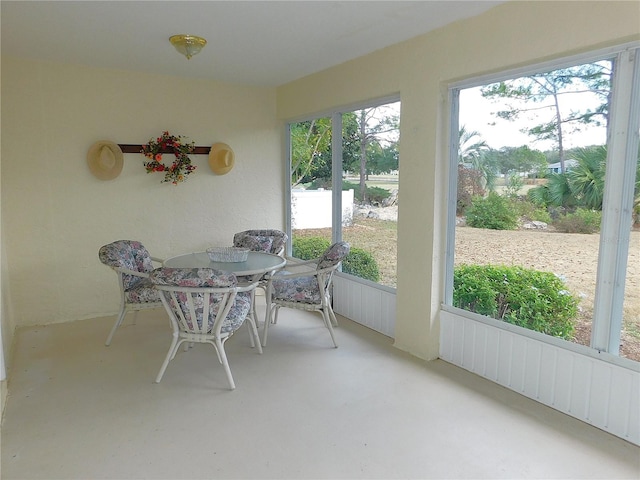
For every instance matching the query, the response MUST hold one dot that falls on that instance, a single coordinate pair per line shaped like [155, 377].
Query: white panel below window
[604, 395]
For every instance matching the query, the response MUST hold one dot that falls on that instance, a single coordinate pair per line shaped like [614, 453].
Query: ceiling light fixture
[188, 45]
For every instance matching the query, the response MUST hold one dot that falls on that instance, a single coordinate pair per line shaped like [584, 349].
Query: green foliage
[582, 185]
[308, 140]
[528, 298]
[381, 158]
[531, 211]
[470, 185]
[556, 192]
[539, 195]
[358, 262]
[580, 221]
[494, 212]
[517, 159]
[470, 145]
[586, 179]
[309, 247]
[319, 183]
[374, 138]
[374, 194]
[361, 263]
[514, 185]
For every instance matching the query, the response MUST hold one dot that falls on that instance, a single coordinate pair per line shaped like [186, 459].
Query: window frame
[622, 138]
[336, 169]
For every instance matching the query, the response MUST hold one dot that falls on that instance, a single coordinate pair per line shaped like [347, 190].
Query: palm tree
[583, 184]
[559, 193]
[586, 178]
[472, 152]
[468, 146]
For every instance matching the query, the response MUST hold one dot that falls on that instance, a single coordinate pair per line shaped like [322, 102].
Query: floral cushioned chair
[204, 306]
[266, 240]
[269, 241]
[307, 290]
[132, 263]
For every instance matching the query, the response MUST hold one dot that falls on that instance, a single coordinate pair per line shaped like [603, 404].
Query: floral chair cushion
[207, 278]
[270, 241]
[142, 292]
[306, 289]
[129, 254]
[298, 289]
[334, 255]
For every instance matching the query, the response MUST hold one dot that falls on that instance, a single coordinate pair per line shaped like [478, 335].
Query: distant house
[555, 167]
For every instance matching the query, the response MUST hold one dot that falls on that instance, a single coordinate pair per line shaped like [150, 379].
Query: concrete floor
[302, 410]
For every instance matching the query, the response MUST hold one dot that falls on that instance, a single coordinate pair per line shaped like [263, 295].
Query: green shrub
[514, 185]
[375, 195]
[539, 195]
[528, 298]
[530, 211]
[309, 247]
[494, 212]
[580, 221]
[470, 184]
[359, 262]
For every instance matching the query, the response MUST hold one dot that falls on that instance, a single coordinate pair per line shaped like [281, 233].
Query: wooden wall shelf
[130, 148]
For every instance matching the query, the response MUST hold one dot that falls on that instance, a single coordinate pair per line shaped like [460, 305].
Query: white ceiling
[265, 43]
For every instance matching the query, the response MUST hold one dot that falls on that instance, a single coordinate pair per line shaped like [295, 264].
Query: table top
[256, 263]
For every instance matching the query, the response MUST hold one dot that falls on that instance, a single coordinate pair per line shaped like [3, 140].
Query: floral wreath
[181, 167]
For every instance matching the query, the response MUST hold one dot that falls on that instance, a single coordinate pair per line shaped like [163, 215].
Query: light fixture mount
[188, 45]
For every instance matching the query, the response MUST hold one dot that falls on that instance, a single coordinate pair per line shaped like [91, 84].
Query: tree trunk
[563, 169]
[363, 156]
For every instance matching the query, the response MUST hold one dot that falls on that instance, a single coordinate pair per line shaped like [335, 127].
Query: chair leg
[123, 313]
[253, 333]
[334, 320]
[327, 321]
[170, 355]
[251, 338]
[271, 317]
[253, 306]
[225, 363]
[267, 301]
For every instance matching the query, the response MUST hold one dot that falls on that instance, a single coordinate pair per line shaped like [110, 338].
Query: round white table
[256, 265]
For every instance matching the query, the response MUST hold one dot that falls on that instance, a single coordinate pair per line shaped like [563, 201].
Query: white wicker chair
[204, 306]
[308, 290]
[132, 263]
[265, 240]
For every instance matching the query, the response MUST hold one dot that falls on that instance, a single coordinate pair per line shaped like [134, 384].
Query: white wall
[509, 35]
[313, 208]
[56, 214]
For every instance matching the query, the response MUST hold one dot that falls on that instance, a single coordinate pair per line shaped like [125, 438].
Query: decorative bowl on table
[228, 254]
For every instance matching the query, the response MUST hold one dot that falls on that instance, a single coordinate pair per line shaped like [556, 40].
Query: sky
[475, 115]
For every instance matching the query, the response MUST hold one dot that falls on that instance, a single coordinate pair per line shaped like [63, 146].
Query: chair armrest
[126, 271]
[310, 273]
[294, 262]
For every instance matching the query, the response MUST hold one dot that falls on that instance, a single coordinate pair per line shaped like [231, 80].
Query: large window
[545, 195]
[345, 187]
